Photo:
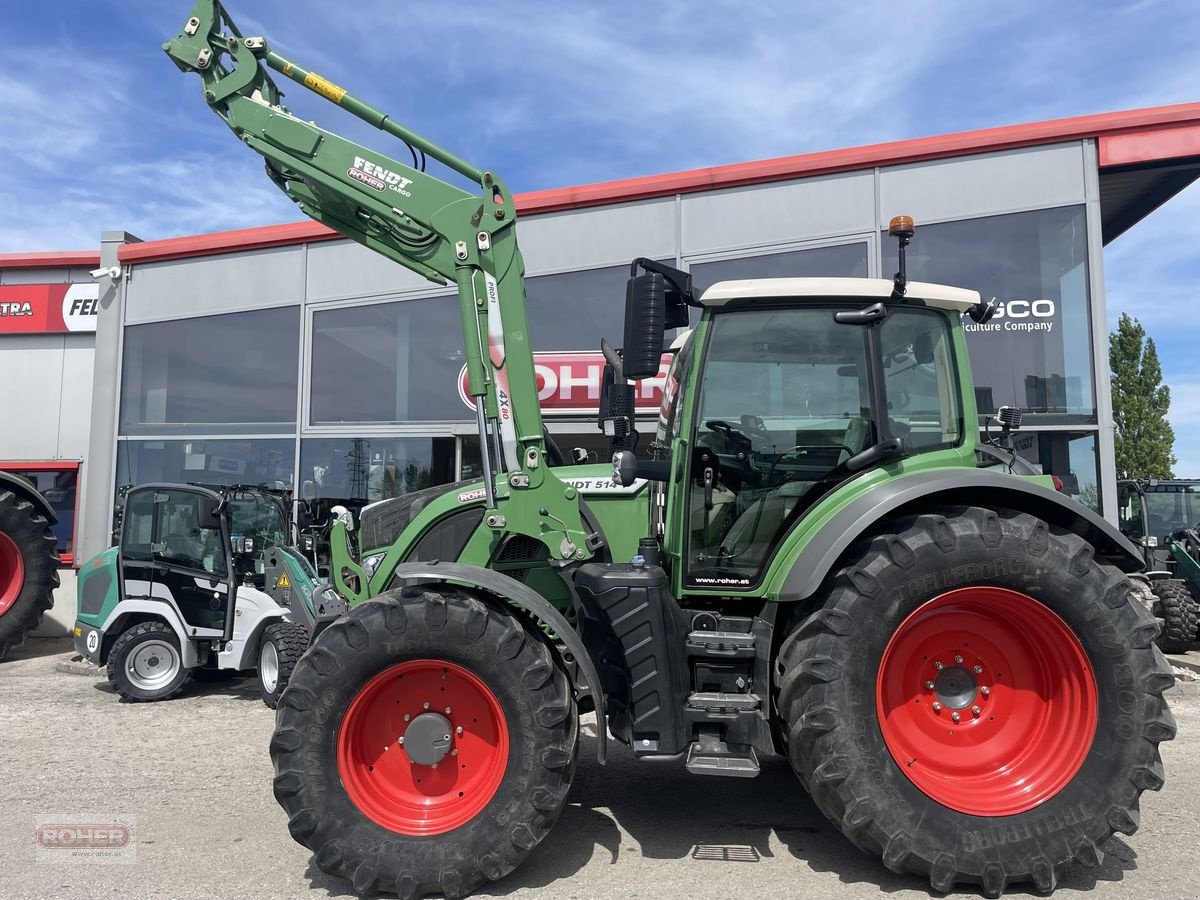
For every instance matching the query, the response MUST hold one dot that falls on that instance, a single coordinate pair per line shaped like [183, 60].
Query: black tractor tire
[828, 685]
[30, 534]
[1180, 614]
[286, 641]
[430, 625]
[145, 663]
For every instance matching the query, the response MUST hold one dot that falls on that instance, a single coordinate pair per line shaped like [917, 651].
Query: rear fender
[911, 494]
[26, 491]
[514, 593]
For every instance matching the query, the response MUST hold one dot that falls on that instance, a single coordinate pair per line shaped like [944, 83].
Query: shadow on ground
[35, 647]
[667, 814]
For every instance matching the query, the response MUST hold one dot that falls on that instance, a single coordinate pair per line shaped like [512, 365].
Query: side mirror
[208, 513]
[645, 324]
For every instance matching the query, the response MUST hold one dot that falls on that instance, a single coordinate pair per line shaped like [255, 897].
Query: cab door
[175, 548]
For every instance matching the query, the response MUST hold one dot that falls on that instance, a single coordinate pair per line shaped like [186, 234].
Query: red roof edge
[1104, 126]
[56, 259]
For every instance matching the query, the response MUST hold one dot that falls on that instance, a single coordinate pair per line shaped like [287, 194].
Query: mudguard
[145, 609]
[515, 593]
[941, 487]
[26, 491]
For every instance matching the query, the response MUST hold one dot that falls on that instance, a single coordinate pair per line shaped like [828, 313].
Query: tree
[1144, 437]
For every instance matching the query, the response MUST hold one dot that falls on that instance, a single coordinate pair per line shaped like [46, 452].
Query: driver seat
[856, 436]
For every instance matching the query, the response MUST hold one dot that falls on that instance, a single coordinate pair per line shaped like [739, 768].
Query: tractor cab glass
[785, 403]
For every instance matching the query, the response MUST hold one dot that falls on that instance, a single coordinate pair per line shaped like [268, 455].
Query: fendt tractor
[202, 581]
[958, 663]
[28, 560]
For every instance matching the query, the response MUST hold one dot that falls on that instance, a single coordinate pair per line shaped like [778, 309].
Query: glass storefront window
[217, 374]
[363, 470]
[846, 260]
[1036, 352]
[1070, 455]
[207, 461]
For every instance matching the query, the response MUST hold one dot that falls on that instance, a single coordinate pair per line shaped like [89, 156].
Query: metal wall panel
[1029, 178]
[215, 284]
[31, 370]
[343, 269]
[35, 276]
[778, 213]
[75, 409]
[596, 237]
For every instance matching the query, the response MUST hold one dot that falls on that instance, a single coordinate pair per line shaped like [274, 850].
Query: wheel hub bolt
[955, 716]
[458, 730]
[401, 741]
[407, 717]
[929, 685]
[447, 710]
[938, 665]
[974, 710]
[979, 670]
[958, 659]
[937, 707]
[454, 752]
[985, 690]
[426, 706]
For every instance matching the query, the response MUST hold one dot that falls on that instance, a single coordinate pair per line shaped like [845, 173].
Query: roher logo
[101, 836]
[570, 383]
[66, 838]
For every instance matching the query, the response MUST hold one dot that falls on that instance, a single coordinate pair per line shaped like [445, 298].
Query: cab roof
[938, 295]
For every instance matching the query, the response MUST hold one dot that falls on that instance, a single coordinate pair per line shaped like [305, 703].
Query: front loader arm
[440, 231]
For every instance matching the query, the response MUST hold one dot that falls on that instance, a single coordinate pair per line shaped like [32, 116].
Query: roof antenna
[901, 228]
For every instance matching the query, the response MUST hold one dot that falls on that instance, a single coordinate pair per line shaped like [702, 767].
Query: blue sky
[100, 131]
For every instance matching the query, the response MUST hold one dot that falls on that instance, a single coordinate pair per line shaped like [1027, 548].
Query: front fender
[515, 593]
[949, 487]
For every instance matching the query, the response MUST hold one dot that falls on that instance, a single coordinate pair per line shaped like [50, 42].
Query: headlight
[371, 563]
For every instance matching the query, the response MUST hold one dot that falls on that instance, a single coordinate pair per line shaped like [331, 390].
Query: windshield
[1172, 509]
[785, 402]
[258, 517]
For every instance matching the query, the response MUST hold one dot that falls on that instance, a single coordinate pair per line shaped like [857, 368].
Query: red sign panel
[569, 383]
[53, 308]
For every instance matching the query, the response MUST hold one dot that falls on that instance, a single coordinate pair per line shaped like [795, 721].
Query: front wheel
[425, 743]
[283, 643]
[978, 700]
[145, 663]
[1180, 614]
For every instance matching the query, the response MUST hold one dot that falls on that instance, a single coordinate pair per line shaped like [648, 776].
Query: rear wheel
[145, 663]
[28, 570]
[1180, 614]
[426, 743]
[283, 643]
[978, 700]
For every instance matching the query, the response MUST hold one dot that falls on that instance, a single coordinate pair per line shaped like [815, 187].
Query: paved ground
[195, 773]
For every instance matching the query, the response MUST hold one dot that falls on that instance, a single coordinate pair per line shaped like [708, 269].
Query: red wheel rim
[12, 572]
[412, 701]
[1020, 685]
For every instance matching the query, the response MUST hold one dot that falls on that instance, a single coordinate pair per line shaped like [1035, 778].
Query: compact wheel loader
[959, 664]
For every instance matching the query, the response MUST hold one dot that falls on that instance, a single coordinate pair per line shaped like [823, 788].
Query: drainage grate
[725, 852]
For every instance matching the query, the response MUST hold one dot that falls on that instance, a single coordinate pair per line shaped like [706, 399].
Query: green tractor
[1161, 516]
[958, 663]
[28, 560]
[205, 582]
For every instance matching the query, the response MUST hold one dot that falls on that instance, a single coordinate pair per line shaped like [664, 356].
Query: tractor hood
[381, 523]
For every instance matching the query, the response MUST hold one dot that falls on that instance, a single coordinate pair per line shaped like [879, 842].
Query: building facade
[286, 354]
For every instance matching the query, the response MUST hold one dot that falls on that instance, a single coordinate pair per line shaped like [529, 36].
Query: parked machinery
[28, 560]
[203, 581]
[959, 664]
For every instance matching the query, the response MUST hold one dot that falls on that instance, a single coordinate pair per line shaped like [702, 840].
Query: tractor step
[735, 644]
[712, 701]
[716, 758]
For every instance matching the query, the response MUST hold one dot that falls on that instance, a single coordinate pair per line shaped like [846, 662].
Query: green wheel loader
[959, 664]
[205, 582]
[1162, 516]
